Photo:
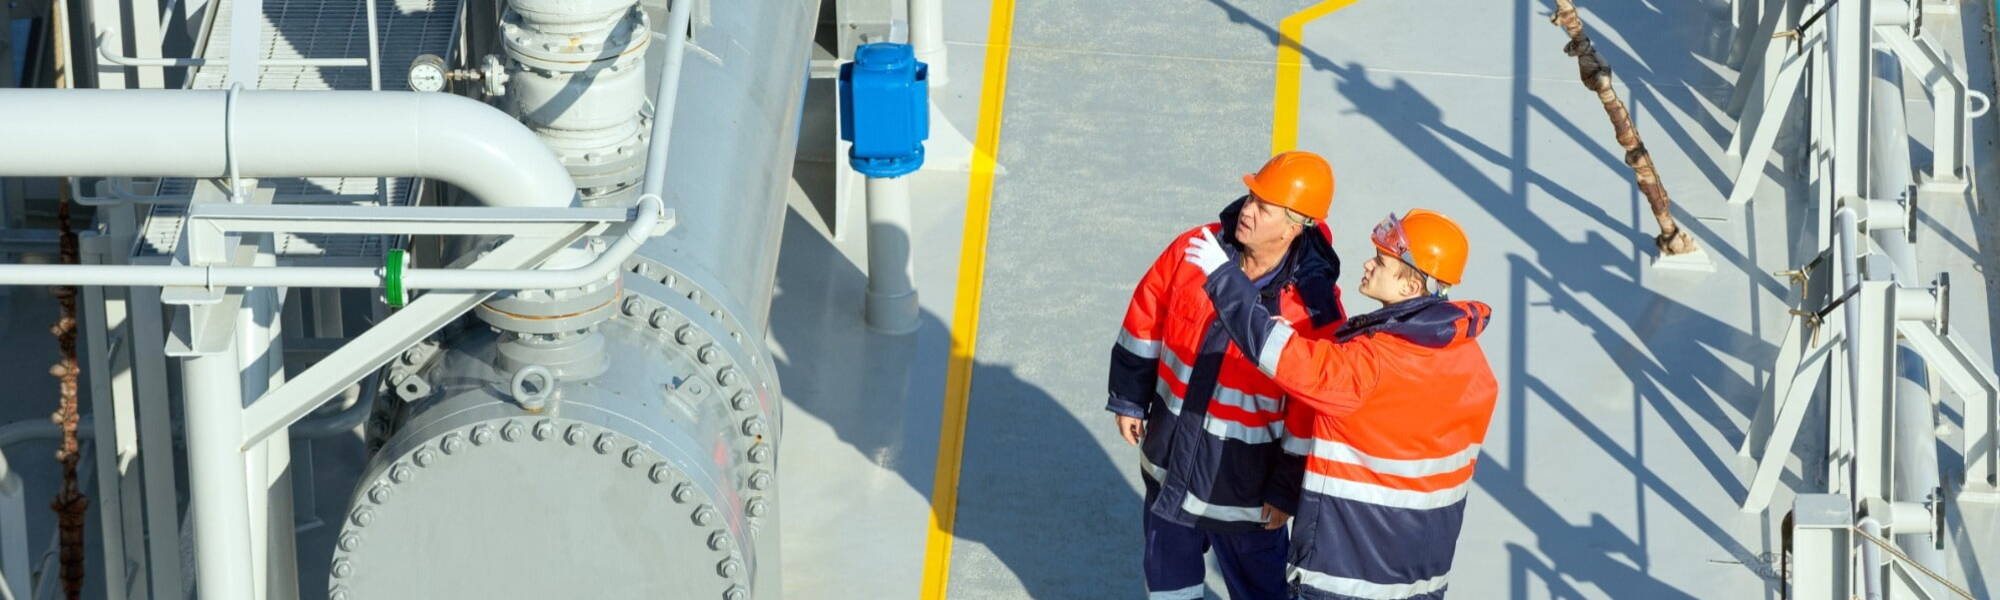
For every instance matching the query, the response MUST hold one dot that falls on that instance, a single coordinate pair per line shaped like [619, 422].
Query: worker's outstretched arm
[1328, 376]
[1135, 357]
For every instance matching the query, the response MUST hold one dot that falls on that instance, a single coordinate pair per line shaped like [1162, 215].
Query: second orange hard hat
[1297, 180]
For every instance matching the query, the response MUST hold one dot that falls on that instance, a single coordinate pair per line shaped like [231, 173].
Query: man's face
[1390, 280]
[1262, 224]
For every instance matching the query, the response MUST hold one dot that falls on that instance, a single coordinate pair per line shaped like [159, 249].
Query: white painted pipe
[1871, 560]
[641, 227]
[892, 296]
[217, 477]
[183, 133]
[927, 38]
[666, 97]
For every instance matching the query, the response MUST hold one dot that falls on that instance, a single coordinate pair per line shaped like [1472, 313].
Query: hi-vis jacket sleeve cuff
[1125, 407]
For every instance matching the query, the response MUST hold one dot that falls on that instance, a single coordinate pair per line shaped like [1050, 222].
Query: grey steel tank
[618, 441]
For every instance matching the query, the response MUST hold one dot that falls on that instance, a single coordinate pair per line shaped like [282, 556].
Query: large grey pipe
[185, 133]
[1915, 444]
[732, 146]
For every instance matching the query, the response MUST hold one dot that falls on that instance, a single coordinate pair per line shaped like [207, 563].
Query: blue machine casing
[884, 109]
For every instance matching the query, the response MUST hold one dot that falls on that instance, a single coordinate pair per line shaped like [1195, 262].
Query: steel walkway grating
[317, 29]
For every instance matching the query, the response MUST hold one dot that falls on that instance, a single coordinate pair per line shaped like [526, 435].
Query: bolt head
[704, 515]
[362, 516]
[452, 443]
[603, 444]
[760, 480]
[727, 376]
[736, 593]
[742, 401]
[544, 429]
[708, 354]
[760, 453]
[634, 456]
[718, 540]
[753, 426]
[574, 435]
[425, 457]
[634, 306]
[400, 473]
[684, 493]
[378, 494]
[512, 431]
[685, 335]
[341, 594]
[342, 567]
[660, 473]
[350, 542]
[482, 434]
[729, 567]
[758, 507]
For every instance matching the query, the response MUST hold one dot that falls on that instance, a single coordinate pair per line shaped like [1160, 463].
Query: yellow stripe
[965, 311]
[1285, 104]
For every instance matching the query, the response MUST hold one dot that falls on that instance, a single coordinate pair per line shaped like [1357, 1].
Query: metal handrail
[128, 61]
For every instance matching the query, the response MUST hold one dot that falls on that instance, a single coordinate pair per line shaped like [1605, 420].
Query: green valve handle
[392, 280]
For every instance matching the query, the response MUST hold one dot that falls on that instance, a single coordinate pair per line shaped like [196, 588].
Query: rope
[1898, 553]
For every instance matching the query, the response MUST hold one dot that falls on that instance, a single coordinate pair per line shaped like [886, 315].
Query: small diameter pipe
[666, 97]
[628, 242]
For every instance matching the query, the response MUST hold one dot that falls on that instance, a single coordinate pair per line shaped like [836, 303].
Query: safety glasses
[1389, 237]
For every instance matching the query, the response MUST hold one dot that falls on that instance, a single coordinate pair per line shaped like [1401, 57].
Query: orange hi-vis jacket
[1214, 424]
[1402, 397]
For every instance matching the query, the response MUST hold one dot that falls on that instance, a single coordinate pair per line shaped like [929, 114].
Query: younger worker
[1402, 395]
[1208, 423]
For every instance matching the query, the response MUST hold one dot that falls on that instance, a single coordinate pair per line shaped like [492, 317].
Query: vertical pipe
[14, 533]
[892, 298]
[213, 392]
[665, 98]
[1871, 561]
[927, 36]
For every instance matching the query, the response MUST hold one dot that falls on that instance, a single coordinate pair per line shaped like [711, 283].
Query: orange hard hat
[1300, 181]
[1430, 242]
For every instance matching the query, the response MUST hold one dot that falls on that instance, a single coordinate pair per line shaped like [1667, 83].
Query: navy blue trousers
[1253, 564]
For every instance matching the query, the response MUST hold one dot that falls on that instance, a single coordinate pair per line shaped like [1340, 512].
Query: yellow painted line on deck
[965, 309]
[1285, 101]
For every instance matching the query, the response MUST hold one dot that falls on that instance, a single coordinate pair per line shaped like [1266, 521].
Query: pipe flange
[377, 489]
[593, 46]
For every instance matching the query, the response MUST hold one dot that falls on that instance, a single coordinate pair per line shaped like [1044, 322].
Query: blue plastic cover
[884, 109]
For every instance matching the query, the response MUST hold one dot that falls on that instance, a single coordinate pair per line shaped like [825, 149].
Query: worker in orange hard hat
[1401, 397]
[1210, 426]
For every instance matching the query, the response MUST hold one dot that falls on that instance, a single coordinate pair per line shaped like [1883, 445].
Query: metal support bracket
[1979, 388]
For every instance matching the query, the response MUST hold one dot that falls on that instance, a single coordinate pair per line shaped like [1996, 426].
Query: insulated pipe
[184, 133]
[664, 100]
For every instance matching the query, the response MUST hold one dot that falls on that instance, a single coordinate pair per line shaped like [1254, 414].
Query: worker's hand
[1133, 428]
[1206, 253]
[1274, 518]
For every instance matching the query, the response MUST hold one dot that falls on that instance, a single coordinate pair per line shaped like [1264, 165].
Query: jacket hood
[1427, 321]
[1310, 265]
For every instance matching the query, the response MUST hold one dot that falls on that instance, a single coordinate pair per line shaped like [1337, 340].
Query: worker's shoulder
[1181, 239]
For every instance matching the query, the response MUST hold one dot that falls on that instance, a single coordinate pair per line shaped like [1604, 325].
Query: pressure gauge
[427, 73]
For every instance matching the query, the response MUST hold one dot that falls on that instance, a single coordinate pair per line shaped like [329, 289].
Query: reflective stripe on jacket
[1215, 423]
[1401, 397]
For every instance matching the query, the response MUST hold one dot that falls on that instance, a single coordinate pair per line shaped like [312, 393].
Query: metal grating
[317, 29]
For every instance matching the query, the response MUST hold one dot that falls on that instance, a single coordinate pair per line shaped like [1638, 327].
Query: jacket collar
[1310, 265]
